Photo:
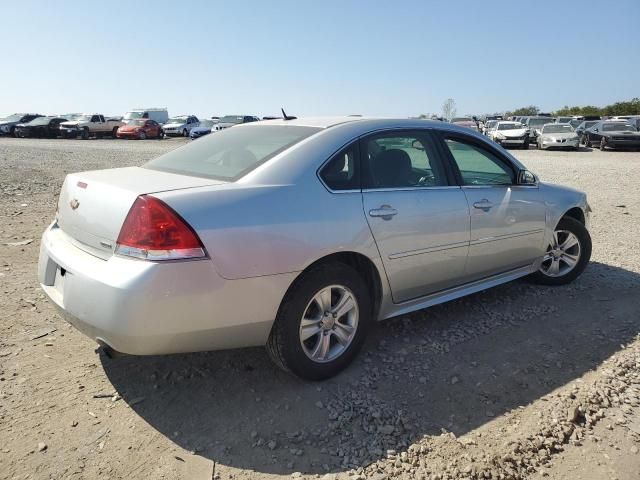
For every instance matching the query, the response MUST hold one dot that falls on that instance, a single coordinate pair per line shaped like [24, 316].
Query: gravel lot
[520, 381]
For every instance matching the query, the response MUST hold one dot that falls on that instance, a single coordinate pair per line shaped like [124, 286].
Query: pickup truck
[86, 126]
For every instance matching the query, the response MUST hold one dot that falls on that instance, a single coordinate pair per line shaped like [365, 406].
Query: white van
[160, 115]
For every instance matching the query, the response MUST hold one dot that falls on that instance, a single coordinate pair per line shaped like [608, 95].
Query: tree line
[630, 107]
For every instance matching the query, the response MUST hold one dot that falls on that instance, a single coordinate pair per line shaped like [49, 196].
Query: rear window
[231, 153]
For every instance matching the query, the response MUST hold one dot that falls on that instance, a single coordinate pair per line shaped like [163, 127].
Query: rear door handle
[483, 204]
[385, 211]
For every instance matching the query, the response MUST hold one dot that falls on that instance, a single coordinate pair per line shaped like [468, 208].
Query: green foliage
[631, 107]
[530, 110]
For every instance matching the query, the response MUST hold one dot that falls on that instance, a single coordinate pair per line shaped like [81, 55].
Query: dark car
[580, 129]
[41, 127]
[8, 124]
[612, 134]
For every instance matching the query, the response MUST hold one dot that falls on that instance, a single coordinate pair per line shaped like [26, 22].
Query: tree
[522, 111]
[449, 109]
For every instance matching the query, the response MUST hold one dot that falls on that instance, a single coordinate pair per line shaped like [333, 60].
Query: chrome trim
[438, 248]
[410, 189]
[505, 237]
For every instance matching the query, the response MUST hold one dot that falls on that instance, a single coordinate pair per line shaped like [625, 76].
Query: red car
[140, 129]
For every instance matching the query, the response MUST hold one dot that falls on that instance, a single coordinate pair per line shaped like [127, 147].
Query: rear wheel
[322, 322]
[142, 135]
[603, 144]
[567, 255]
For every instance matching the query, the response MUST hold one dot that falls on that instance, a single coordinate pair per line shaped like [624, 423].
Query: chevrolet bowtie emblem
[74, 204]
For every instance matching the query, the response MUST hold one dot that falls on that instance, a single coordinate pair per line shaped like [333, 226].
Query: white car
[181, 125]
[510, 134]
[558, 135]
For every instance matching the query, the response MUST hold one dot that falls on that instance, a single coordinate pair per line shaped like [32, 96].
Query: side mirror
[525, 177]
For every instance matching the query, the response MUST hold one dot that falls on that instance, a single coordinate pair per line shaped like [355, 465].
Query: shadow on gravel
[453, 367]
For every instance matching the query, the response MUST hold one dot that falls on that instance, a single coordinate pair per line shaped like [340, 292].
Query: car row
[136, 124]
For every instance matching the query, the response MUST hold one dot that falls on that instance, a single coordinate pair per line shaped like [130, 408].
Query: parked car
[580, 129]
[204, 129]
[145, 263]
[465, 122]
[8, 124]
[488, 126]
[558, 135]
[534, 124]
[140, 129]
[90, 125]
[564, 119]
[180, 125]
[635, 122]
[41, 127]
[510, 134]
[160, 115]
[612, 134]
[231, 120]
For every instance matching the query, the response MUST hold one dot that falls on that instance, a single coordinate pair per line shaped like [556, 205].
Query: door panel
[424, 245]
[507, 221]
[507, 228]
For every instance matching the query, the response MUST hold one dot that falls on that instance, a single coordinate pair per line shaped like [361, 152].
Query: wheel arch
[576, 213]
[362, 264]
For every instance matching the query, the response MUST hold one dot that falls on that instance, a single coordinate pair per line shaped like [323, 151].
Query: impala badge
[74, 204]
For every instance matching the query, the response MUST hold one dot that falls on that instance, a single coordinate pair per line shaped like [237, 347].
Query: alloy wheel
[329, 323]
[562, 255]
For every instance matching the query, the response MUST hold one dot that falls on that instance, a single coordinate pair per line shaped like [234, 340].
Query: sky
[323, 57]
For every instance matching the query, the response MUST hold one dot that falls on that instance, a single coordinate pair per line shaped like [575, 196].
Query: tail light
[154, 231]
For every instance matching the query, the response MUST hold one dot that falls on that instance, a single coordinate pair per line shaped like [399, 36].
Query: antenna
[285, 116]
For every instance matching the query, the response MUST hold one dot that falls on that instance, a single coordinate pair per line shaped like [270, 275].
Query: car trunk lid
[93, 205]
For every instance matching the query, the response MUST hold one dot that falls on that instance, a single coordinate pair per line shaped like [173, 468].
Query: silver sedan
[299, 234]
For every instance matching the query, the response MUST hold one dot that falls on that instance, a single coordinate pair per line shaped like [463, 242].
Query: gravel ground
[517, 382]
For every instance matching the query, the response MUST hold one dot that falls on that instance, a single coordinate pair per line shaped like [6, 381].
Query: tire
[12, 132]
[285, 345]
[142, 136]
[585, 141]
[603, 144]
[185, 133]
[160, 134]
[581, 234]
[525, 145]
[114, 132]
[85, 134]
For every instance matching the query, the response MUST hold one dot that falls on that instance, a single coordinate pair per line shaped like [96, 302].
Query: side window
[479, 166]
[401, 160]
[341, 172]
[95, 118]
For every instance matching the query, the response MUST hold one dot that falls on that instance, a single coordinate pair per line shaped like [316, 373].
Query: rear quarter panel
[256, 230]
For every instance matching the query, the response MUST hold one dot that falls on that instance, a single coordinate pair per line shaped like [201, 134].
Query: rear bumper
[147, 308]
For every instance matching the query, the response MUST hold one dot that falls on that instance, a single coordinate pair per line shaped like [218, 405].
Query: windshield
[564, 119]
[509, 126]
[575, 123]
[12, 118]
[461, 119]
[557, 128]
[177, 120]
[231, 119]
[139, 122]
[538, 122]
[617, 127]
[231, 153]
[41, 121]
[491, 123]
[83, 118]
[131, 115]
[589, 124]
[207, 123]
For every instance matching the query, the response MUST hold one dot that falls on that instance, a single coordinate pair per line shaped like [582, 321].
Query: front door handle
[483, 204]
[385, 211]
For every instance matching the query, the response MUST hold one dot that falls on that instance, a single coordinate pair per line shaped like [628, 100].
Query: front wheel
[322, 322]
[185, 133]
[114, 132]
[567, 255]
[142, 136]
[603, 144]
[85, 133]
